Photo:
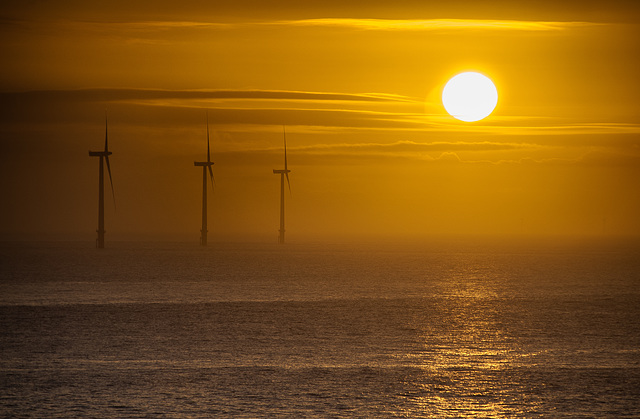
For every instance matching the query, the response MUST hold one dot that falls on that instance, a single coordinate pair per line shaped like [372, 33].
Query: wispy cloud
[569, 128]
[152, 94]
[251, 110]
[128, 95]
[159, 26]
[133, 26]
[450, 152]
[441, 152]
[436, 24]
[410, 147]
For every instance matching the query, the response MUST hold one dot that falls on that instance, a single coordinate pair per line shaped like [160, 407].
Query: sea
[445, 327]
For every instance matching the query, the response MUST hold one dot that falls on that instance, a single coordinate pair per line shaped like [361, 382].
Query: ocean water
[449, 328]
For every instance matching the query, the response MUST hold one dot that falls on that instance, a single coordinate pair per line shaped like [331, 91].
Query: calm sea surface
[441, 329]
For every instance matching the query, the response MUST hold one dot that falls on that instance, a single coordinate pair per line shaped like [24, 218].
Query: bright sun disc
[470, 96]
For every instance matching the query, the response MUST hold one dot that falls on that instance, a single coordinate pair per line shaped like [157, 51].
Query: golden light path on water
[470, 370]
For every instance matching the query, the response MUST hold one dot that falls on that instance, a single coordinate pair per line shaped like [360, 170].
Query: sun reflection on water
[471, 359]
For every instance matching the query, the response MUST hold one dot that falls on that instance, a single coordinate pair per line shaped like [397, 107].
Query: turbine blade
[111, 181]
[106, 132]
[285, 148]
[288, 183]
[208, 148]
[213, 181]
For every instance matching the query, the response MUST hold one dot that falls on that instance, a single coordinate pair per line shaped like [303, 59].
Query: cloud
[435, 24]
[108, 25]
[450, 157]
[356, 153]
[409, 146]
[152, 94]
[173, 32]
[531, 125]
[234, 109]
[447, 152]
[579, 129]
[258, 110]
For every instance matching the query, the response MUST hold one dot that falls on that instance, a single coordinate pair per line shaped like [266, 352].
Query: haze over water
[444, 328]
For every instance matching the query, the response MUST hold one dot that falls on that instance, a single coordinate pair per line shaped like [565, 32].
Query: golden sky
[357, 84]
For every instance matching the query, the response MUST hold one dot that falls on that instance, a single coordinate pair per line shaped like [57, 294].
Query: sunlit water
[446, 329]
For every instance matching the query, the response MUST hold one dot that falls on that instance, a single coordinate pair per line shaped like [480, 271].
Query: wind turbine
[205, 165]
[282, 174]
[104, 155]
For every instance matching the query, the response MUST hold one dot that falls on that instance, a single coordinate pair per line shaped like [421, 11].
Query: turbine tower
[205, 165]
[282, 174]
[104, 155]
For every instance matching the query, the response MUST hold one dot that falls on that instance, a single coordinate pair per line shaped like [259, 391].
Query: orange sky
[357, 84]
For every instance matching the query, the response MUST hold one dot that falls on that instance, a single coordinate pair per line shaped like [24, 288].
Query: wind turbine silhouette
[282, 174]
[205, 165]
[104, 155]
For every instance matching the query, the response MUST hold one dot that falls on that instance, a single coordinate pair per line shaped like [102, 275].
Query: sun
[470, 96]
